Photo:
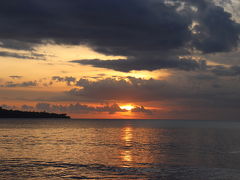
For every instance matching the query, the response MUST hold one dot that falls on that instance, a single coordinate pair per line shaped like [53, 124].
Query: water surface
[119, 149]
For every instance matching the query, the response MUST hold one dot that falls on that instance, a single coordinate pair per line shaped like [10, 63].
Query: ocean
[65, 149]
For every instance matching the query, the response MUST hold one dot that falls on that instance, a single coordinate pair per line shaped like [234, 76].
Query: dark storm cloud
[216, 31]
[140, 64]
[130, 23]
[150, 34]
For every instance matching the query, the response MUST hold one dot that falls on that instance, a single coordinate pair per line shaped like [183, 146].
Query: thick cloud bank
[200, 90]
[150, 34]
[79, 108]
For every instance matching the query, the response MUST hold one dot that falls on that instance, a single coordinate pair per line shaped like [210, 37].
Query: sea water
[55, 149]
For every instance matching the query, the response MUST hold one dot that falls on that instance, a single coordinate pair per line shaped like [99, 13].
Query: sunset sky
[164, 59]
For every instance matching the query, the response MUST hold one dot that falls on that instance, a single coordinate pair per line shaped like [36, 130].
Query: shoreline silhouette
[4, 113]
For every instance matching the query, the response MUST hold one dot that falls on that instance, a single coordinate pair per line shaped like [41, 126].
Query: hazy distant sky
[97, 58]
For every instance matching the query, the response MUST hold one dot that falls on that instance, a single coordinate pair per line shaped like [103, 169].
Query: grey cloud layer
[15, 77]
[145, 64]
[22, 84]
[82, 108]
[151, 34]
[226, 71]
[35, 56]
[68, 79]
[200, 90]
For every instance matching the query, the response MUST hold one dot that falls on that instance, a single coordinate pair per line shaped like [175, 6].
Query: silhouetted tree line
[4, 113]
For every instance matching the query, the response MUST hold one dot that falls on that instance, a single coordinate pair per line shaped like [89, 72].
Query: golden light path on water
[127, 137]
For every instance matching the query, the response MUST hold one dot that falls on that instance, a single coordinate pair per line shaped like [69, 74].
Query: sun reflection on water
[127, 135]
[126, 152]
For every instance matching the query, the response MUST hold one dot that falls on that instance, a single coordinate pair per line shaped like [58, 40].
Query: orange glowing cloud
[127, 107]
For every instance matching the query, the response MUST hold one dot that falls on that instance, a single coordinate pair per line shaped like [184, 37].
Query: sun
[128, 107]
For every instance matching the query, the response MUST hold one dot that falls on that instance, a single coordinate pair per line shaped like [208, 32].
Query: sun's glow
[128, 107]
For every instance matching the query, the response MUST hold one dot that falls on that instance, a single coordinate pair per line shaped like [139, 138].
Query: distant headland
[4, 113]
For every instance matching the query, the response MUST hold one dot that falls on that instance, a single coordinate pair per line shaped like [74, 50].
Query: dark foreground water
[119, 149]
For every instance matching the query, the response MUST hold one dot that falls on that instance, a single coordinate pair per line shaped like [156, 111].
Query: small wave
[23, 169]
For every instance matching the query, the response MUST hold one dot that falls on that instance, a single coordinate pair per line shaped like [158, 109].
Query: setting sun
[128, 107]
